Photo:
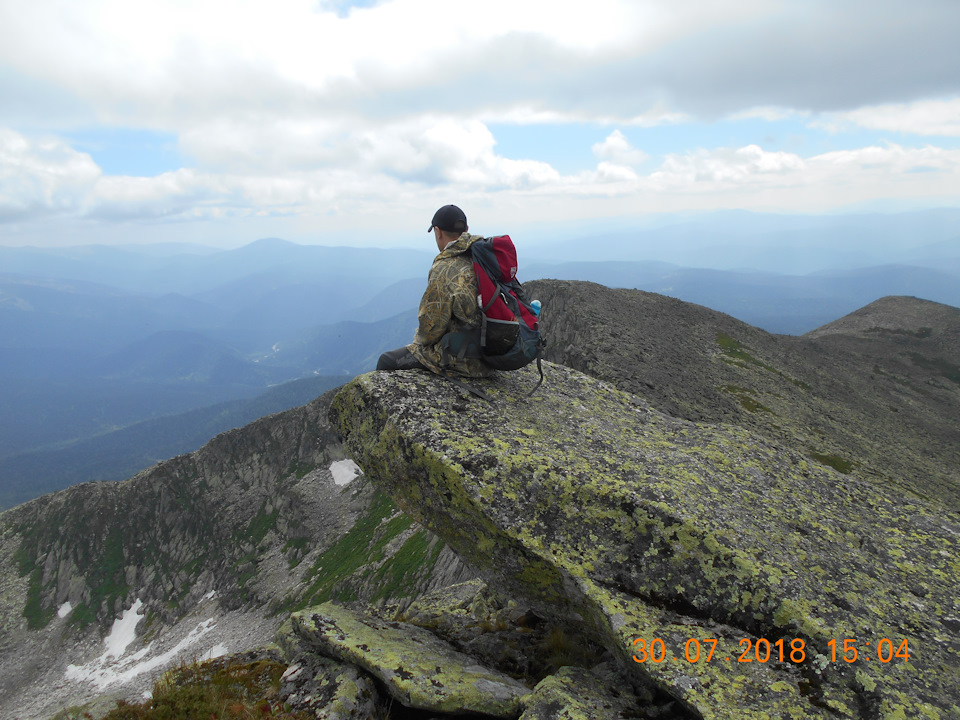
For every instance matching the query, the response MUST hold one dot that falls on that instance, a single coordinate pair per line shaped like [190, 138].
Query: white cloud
[926, 117]
[42, 176]
[723, 169]
[172, 194]
[616, 148]
[752, 178]
[292, 110]
[464, 155]
[893, 160]
[269, 144]
[175, 64]
[380, 175]
[165, 61]
[427, 149]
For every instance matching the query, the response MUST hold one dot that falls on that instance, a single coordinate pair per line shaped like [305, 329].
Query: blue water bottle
[535, 304]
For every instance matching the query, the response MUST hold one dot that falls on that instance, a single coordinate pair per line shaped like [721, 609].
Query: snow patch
[65, 609]
[115, 667]
[210, 595]
[344, 471]
[123, 632]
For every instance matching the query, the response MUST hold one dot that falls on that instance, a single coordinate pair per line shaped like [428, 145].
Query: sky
[335, 122]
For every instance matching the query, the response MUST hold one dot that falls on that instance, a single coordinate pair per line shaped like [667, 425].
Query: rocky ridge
[881, 405]
[632, 526]
[901, 318]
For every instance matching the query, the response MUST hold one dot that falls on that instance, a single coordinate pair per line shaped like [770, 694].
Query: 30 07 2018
[761, 650]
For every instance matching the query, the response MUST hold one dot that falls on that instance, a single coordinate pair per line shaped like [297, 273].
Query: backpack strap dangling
[540, 370]
[472, 389]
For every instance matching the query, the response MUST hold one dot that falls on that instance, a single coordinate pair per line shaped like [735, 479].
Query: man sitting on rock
[449, 303]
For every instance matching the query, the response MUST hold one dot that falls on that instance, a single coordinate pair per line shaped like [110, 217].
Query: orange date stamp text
[848, 650]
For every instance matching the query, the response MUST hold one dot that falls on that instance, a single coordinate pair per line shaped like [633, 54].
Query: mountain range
[96, 341]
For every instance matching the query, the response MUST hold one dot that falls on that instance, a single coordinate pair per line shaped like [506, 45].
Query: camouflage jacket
[449, 304]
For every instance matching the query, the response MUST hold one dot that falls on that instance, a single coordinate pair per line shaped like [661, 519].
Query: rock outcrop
[421, 670]
[461, 651]
[715, 564]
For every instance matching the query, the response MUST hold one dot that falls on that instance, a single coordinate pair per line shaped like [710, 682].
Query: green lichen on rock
[577, 694]
[602, 512]
[836, 389]
[323, 686]
[419, 670]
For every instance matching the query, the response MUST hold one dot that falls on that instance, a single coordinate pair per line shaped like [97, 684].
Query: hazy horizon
[98, 339]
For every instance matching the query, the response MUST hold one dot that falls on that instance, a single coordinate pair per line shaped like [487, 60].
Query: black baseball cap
[449, 218]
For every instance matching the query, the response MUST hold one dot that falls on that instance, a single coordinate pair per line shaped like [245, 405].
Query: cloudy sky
[220, 121]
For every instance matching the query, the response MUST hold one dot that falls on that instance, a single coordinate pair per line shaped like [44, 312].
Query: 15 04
[887, 650]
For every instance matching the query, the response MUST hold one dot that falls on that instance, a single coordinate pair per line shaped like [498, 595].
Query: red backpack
[509, 335]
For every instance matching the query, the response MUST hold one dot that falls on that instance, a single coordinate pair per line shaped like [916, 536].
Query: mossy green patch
[737, 354]
[294, 549]
[82, 615]
[397, 574]
[299, 469]
[37, 615]
[921, 333]
[838, 463]
[734, 350]
[944, 368]
[107, 579]
[747, 398]
[363, 544]
[262, 523]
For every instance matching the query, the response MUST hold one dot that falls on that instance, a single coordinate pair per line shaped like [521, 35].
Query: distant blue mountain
[151, 272]
[120, 454]
[787, 304]
[97, 339]
[780, 244]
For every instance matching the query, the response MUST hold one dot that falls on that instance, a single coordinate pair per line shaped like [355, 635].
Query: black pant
[399, 359]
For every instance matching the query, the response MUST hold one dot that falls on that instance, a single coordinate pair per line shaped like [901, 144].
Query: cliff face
[255, 520]
[717, 565]
[181, 529]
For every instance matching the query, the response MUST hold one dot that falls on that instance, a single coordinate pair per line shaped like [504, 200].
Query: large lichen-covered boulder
[330, 690]
[719, 566]
[418, 669]
[323, 687]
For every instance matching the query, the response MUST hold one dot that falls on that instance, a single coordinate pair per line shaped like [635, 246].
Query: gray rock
[420, 670]
[578, 694]
[650, 529]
